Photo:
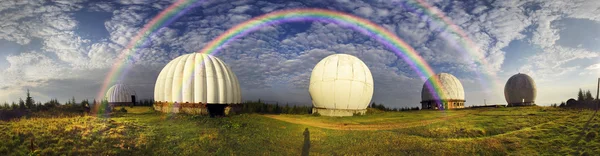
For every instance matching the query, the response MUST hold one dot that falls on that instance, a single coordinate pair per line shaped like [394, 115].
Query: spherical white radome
[197, 78]
[451, 88]
[341, 81]
[119, 93]
[520, 88]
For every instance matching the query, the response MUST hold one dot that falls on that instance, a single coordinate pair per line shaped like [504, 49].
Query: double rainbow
[401, 48]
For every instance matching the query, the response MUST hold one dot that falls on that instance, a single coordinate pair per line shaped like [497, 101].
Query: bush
[316, 114]
[123, 110]
[356, 114]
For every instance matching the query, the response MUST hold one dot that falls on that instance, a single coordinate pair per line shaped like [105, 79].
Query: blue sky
[62, 49]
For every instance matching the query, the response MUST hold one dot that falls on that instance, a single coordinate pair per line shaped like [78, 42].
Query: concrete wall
[199, 109]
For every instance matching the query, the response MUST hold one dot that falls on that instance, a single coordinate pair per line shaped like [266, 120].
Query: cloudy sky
[60, 49]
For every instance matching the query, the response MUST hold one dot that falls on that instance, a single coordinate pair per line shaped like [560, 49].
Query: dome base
[445, 104]
[521, 104]
[116, 104]
[197, 108]
[338, 112]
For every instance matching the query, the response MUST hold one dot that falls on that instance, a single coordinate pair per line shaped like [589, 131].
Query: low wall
[338, 112]
[192, 108]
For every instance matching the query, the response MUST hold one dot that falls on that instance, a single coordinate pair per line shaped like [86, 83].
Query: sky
[64, 49]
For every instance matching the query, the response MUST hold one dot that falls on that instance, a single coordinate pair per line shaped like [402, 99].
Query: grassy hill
[486, 131]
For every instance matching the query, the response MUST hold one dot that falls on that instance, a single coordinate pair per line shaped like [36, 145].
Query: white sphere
[451, 88]
[341, 81]
[197, 78]
[520, 90]
[119, 93]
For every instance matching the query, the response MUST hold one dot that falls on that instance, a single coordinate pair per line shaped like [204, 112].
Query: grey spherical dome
[451, 87]
[520, 90]
[120, 93]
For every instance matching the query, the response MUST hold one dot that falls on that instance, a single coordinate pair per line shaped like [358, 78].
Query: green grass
[501, 131]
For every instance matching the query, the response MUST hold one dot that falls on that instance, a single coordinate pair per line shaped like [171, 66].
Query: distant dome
[520, 90]
[340, 82]
[120, 93]
[197, 78]
[453, 93]
[451, 87]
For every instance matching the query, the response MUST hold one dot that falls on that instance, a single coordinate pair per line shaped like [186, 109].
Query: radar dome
[340, 85]
[520, 90]
[193, 83]
[120, 95]
[451, 88]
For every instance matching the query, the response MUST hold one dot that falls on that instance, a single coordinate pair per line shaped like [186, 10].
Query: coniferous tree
[588, 96]
[286, 109]
[277, 109]
[29, 103]
[580, 96]
[22, 104]
[14, 106]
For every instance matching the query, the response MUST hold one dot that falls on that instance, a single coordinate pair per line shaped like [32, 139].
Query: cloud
[593, 67]
[281, 57]
[102, 7]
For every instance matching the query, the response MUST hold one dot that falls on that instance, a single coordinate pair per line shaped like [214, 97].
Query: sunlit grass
[499, 131]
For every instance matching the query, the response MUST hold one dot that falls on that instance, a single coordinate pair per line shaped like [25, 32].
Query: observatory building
[120, 95]
[520, 90]
[197, 84]
[340, 85]
[453, 93]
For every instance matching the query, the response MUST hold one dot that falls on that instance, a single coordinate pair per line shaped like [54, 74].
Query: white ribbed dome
[197, 78]
[341, 81]
[451, 88]
[520, 88]
[119, 93]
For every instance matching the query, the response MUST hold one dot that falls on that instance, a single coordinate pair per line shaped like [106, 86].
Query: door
[133, 100]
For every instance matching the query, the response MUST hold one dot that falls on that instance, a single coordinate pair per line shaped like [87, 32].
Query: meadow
[141, 131]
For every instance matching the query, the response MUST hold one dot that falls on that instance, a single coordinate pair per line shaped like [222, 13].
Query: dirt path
[341, 126]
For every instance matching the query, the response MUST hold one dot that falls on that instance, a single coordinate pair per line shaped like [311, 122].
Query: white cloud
[593, 67]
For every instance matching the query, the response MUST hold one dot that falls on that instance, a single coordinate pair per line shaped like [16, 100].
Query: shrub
[316, 114]
[123, 110]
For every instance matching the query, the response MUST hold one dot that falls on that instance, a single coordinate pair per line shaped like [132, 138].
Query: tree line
[383, 108]
[53, 108]
[585, 99]
[264, 108]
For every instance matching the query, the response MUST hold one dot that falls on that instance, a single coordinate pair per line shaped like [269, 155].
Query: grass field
[486, 131]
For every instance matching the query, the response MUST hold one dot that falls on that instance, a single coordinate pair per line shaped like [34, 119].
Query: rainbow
[164, 18]
[401, 48]
[471, 48]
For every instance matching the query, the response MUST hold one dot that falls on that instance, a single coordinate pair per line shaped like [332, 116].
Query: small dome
[520, 89]
[451, 88]
[197, 78]
[119, 93]
[341, 81]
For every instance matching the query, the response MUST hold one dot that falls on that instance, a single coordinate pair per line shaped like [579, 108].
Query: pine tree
[588, 96]
[14, 106]
[29, 101]
[580, 97]
[22, 104]
[73, 101]
[286, 109]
